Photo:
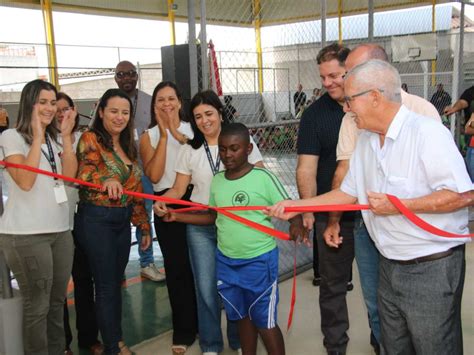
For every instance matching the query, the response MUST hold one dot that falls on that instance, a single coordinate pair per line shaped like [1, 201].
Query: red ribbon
[422, 224]
[192, 206]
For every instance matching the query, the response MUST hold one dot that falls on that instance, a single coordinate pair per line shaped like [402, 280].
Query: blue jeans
[104, 234]
[146, 256]
[367, 258]
[470, 162]
[202, 244]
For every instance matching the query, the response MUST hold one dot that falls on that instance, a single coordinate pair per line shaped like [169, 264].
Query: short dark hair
[207, 97]
[333, 51]
[158, 87]
[126, 136]
[63, 96]
[236, 129]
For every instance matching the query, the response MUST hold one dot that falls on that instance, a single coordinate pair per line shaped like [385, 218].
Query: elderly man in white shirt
[415, 158]
[366, 254]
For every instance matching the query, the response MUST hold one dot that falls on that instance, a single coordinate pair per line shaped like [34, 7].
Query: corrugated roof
[229, 12]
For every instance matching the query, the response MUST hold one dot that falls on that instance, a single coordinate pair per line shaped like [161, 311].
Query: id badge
[60, 193]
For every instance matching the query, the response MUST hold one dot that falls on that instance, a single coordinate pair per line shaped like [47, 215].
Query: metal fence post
[193, 65]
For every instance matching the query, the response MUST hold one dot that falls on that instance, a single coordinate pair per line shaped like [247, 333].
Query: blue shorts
[249, 287]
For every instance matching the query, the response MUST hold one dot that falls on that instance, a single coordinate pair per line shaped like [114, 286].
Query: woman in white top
[197, 162]
[34, 229]
[159, 148]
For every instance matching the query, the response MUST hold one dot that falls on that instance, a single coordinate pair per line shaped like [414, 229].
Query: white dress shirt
[418, 158]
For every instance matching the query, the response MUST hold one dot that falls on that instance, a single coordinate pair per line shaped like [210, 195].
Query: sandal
[178, 349]
[124, 349]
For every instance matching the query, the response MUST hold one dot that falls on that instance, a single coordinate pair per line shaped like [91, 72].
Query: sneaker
[350, 286]
[151, 272]
[210, 353]
[316, 281]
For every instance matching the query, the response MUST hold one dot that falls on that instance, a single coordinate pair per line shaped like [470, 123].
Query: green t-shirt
[258, 187]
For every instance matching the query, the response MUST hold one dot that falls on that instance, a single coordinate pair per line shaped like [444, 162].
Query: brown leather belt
[431, 257]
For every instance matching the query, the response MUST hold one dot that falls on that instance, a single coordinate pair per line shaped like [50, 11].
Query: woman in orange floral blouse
[107, 156]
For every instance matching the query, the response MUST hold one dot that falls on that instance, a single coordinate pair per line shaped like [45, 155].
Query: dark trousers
[86, 318]
[104, 234]
[315, 255]
[84, 303]
[179, 279]
[335, 267]
[420, 306]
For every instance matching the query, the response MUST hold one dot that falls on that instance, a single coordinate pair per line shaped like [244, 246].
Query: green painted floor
[145, 306]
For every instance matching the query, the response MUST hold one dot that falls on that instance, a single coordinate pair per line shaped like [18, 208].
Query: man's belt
[431, 257]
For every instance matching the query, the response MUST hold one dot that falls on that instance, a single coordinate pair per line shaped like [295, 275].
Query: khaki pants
[42, 266]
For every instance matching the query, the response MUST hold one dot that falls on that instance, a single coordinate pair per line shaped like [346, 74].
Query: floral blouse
[96, 165]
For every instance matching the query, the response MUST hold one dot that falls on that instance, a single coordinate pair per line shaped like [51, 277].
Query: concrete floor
[305, 338]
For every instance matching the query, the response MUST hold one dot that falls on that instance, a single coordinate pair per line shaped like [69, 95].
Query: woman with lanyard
[34, 228]
[196, 164]
[107, 156]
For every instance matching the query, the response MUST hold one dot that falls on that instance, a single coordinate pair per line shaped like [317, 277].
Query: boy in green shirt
[247, 259]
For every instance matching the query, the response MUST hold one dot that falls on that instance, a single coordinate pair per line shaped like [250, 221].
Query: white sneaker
[210, 353]
[152, 273]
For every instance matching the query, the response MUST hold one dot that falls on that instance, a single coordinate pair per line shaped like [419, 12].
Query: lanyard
[214, 167]
[50, 156]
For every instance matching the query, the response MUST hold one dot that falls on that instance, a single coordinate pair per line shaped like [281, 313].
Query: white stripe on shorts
[271, 305]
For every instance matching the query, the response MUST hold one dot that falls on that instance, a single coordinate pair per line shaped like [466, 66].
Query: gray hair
[377, 74]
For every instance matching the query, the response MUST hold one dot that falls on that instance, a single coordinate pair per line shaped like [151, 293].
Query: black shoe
[375, 344]
[316, 281]
[350, 286]
[376, 349]
[331, 352]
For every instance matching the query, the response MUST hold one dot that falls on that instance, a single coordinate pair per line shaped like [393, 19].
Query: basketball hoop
[414, 52]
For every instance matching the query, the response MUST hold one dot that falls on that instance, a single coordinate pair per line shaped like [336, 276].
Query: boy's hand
[331, 235]
[298, 232]
[170, 216]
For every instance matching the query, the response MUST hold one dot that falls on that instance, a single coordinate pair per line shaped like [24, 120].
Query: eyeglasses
[348, 99]
[63, 110]
[123, 74]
